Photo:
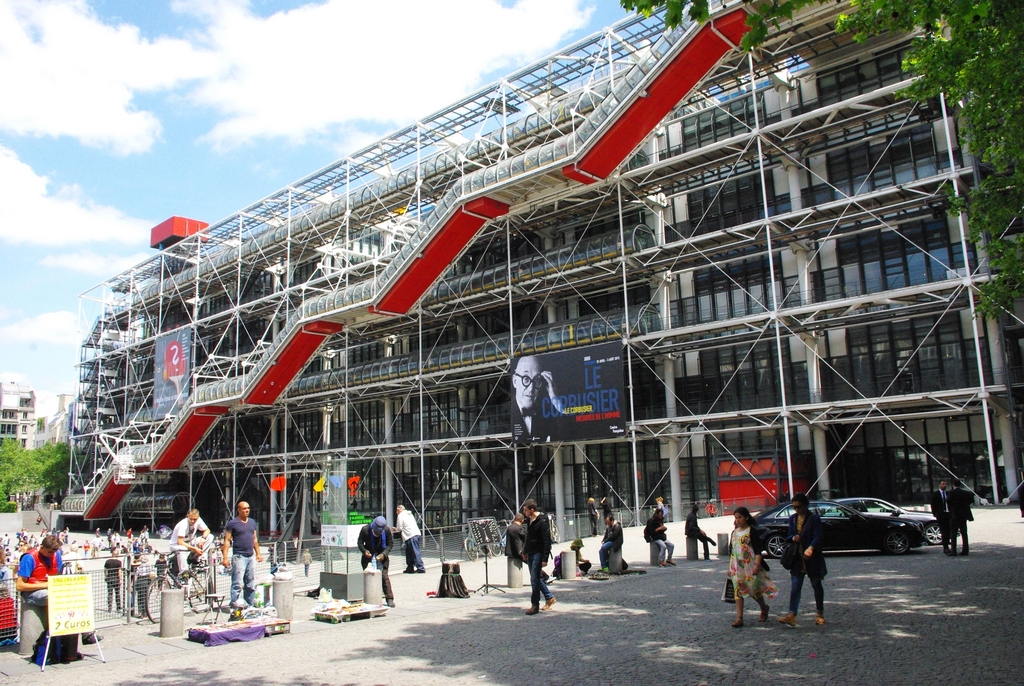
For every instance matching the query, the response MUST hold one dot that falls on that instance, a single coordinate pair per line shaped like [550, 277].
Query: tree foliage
[966, 50]
[24, 471]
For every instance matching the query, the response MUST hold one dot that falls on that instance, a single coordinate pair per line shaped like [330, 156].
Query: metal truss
[237, 283]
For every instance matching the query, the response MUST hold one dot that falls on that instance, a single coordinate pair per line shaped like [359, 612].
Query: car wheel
[774, 545]
[896, 542]
[933, 534]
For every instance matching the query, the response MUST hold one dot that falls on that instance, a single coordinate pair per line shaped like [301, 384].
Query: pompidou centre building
[649, 265]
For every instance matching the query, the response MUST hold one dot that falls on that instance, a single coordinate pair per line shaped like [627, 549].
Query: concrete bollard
[569, 565]
[515, 573]
[723, 545]
[33, 624]
[172, 612]
[691, 548]
[615, 561]
[372, 587]
[655, 554]
[283, 598]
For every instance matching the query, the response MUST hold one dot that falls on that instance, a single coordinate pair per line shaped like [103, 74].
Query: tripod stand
[487, 580]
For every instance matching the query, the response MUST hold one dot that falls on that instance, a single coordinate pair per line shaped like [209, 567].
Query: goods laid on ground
[244, 630]
[335, 611]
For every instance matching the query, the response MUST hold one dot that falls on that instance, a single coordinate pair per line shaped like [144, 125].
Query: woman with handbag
[747, 570]
[805, 534]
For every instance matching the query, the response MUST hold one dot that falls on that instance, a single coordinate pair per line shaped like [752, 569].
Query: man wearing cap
[375, 541]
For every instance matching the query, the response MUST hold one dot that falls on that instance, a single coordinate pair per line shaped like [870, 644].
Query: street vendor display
[243, 630]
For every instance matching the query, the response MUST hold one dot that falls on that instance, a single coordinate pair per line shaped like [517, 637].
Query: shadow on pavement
[890, 619]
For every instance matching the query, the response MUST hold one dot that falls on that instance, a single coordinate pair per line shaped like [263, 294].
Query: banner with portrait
[172, 362]
[570, 395]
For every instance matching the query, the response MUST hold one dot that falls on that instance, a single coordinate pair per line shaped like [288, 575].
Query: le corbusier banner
[171, 372]
[571, 395]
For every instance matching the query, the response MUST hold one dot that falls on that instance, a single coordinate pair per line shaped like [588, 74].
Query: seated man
[181, 539]
[654, 532]
[34, 570]
[693, 530]
[204, 543]
[612, 540]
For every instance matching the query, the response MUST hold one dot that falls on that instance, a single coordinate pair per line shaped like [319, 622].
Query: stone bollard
[515, 573]
[569, 565]
[655, 554]
[283, 598]
[615, 561]
[691, 548]
[33, 624]
[172, 612]
[372, 587]
[723, 545]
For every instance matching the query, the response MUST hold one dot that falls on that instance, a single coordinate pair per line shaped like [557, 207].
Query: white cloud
[323, 68]
[89, 262]
[50, 328]
[327, 68]
[32, 212]
[63, 72]
[15, 377]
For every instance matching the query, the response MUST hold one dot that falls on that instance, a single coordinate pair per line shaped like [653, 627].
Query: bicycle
[472, 550]
[194, 581]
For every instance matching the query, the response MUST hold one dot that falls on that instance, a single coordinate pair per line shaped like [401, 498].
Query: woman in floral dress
[746, 568]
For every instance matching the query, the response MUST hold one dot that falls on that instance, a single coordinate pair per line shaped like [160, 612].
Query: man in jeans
[241, 536]
[405, 523]
[536, 551]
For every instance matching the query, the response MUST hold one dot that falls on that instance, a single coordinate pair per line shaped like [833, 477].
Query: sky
[115, 115]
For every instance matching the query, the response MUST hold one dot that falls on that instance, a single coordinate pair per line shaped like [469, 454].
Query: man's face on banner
[528, 383]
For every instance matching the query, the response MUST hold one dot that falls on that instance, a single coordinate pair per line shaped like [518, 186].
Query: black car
[932, 532]
[845, 529]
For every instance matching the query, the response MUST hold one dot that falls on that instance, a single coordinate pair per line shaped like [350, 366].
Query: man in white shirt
[405, 524]
[182, 538]
[97, 544]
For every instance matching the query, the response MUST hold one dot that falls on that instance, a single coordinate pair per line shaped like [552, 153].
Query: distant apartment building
[55, 429]
[18, 413]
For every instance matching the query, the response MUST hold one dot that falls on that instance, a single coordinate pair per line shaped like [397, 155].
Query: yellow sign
[70, 604]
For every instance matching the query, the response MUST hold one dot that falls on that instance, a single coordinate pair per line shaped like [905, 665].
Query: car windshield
[880, 507]
[832, 512]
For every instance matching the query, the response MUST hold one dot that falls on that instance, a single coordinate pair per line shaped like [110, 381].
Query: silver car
[932, 533]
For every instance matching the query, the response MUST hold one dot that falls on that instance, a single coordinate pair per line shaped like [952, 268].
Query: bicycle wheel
[472, 553]
[493, 550]
[153, 602]
[196, 590]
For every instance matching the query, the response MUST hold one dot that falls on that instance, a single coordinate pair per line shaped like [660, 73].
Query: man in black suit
[962, 501]
[942, 508]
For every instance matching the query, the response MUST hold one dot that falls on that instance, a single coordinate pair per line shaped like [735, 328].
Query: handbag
[790, 555]
[729, 592]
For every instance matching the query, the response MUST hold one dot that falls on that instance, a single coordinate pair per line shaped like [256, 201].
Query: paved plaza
[915, 619]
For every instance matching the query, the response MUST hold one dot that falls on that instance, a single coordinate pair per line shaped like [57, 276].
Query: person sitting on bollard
[581, 562]
[694, 531]
[34, 570]
[612, 540]
[654, 532]
[515, 537]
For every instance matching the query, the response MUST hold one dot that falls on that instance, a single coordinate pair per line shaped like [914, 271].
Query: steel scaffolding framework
[750, 253]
